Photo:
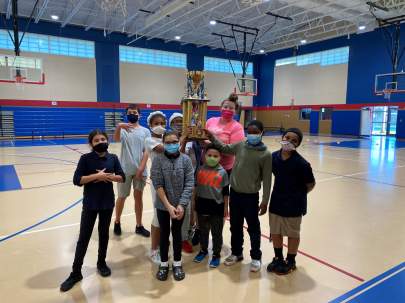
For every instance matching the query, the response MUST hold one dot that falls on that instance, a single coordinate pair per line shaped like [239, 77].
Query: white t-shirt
[132, 148]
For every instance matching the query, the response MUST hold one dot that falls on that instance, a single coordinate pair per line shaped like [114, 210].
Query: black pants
[164, 222]
[245, 206]
[215, 223]
[86, 228]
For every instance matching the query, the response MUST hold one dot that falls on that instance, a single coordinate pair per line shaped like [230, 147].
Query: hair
[96, 132]
[234, 99]
[296, 131]
[169, 133]
[212, 146]
[133, 106]
[256, 123]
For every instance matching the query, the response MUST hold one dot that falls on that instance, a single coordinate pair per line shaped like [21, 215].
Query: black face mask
[132, 118]
[101, 147]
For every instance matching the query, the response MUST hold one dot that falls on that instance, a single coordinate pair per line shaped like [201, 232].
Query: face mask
[158, 130]
[227, 114]
[287, 146]
[132, 118]
[254, 139]
[172, 148]
[101, 147]
[211, 161]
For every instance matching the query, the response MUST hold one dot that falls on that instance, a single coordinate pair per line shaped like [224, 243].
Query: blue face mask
[172, 148]
[254, 139]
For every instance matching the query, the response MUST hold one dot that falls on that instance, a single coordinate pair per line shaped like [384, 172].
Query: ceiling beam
[41, 11]
[166, 10]
[74, 11]
[8, 9]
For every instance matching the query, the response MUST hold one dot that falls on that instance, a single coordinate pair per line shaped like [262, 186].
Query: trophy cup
[195, 105]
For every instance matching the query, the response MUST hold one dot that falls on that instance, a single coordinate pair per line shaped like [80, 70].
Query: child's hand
[262, 208]
[125, 126]
[139, 175]
[209, 134]
[102, 176]
[180, 212]
[159, 148]
[173, 212]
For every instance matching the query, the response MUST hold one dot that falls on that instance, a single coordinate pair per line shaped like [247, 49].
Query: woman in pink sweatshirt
[227, 129]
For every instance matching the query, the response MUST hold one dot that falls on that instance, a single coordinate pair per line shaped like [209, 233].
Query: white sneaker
[232, 259]
[155, 257]
[255, 265]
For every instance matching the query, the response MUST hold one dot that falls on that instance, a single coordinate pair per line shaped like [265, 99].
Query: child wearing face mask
[132, 137]
[154, 146]
[96, 171]
[252, 168]
[293, 181]
[211, 205]
[172, 175]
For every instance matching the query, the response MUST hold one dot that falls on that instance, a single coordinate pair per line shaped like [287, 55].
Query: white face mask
[287, 146]
[158, 130]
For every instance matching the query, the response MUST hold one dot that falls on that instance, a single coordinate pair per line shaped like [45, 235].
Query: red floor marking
[318, 260]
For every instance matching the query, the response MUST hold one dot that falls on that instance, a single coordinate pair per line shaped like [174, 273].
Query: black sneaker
[178, 273]
[71, 281]
[104, 270]
[140, 230]
[275, 264]
[117, 229]
[162, 273]
[285, 268]
[196, 237]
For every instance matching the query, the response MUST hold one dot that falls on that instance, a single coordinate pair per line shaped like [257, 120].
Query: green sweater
[253, 165]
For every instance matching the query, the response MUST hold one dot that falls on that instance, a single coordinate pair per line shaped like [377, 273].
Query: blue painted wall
[346, 122]
[401, 124]
[107, 72]
[314, 122]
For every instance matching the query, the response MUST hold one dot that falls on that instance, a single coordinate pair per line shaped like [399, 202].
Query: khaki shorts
[124, 189]
[155, 221]
[285, 226]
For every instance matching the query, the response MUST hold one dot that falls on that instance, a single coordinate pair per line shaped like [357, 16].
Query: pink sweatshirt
[229, 133]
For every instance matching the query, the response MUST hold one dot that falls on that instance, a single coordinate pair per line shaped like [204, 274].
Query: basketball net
[251, 2]
[387, 94]
[19, 82]
[112, 8]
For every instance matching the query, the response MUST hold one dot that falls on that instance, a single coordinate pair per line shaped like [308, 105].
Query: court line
[68, 225]
[40, 222]
[66, 146]
[369, 284]
[46, 185]
[317, 260]
[46, 158]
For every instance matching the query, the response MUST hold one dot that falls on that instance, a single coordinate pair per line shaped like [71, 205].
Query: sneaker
[178, 273]
[162, 273]
[71, 281]
[140, 230]
[117, 229]
[155, 257]
[285, 268]
[187, 247]
[103, 270]
[232, 259]
[255, 265]
[200, 257]
[196, 237]
[275, 264]
[215, 261]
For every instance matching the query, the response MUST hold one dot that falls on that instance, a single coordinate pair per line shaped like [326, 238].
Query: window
[324, 58]
[50, 45]
[326, 113]
[305, 114]
[151, 56]
[223, 66]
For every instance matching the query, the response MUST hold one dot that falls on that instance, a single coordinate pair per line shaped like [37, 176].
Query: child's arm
[267, 175]
[188, 184]
[119, 175]
[224, 148]
[170, 208]
[142, 166]
[309, 178]
[310, 187]
[117, 131]
[226, 206]
[79, 177]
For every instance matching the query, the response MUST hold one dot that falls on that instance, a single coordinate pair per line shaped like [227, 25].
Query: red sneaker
[187, 247]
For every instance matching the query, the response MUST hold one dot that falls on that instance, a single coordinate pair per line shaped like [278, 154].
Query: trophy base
[197, 134]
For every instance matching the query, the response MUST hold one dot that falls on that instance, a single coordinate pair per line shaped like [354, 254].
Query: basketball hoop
[19, 82]
[251, 2]
[112, 8]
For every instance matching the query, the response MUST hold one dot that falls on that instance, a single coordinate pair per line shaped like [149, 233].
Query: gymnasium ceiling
[313, 20]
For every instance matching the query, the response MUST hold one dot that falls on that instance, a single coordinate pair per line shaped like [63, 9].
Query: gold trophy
[195, 105]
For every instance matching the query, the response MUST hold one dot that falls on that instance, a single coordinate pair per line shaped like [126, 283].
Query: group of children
[190, 186]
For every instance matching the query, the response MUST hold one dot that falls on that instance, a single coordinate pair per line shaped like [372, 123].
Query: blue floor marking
[372, 143]
[8, 178]
[391, 290]
[40, 222]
